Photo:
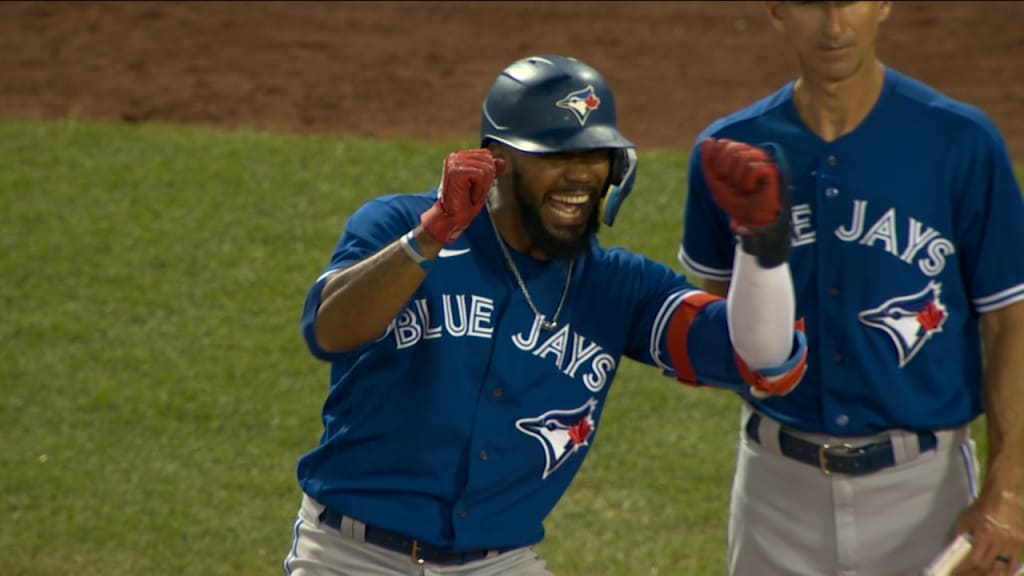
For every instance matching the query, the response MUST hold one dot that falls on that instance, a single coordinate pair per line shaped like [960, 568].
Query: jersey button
[498, 392]
[832, 160]
[831, 192]
[837, 358]
[842, 419]
[833, 291]
[463, 513]
[483, 455]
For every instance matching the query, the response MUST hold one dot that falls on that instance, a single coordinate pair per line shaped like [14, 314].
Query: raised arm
[750, 184]
[358, 302]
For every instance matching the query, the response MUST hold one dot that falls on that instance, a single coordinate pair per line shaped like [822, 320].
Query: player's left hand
[995, 522]
[744, 182]
[751, 185]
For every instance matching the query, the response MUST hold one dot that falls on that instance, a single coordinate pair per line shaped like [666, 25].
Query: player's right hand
[467, 177]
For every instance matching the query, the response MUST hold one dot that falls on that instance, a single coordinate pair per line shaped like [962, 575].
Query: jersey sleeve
[991, 230]
[684, 331]
[370, 228]
[655, 291]
[706, 249]
[701, 351]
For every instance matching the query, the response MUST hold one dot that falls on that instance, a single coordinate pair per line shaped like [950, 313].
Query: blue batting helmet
[547, 103]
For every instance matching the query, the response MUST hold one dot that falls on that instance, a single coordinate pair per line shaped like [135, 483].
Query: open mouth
[569, 208]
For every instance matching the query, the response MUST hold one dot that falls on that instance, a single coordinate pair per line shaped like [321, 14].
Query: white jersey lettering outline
[925, 248]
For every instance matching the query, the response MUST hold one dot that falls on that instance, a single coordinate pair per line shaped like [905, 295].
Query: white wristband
[408, 244]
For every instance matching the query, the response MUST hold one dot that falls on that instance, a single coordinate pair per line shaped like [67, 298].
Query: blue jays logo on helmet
[581, 102]
[910, 321]
[561, 433]
[549, 103]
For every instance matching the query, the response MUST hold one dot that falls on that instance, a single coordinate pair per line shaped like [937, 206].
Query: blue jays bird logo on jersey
[561, 433]
[910, 321]
[581, 102]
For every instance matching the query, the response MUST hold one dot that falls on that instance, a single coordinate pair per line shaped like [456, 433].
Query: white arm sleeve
[761, 309]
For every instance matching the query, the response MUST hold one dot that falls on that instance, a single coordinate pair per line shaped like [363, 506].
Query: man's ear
[775, 14]
[497, 150]
[884, 9]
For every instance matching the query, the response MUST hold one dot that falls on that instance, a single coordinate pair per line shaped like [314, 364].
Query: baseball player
[473, 333]
[908, 226]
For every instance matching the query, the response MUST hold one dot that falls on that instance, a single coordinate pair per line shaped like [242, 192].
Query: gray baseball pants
[788, 518]
[319, 550]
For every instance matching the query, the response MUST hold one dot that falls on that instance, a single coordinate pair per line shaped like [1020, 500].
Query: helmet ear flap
[620, 183]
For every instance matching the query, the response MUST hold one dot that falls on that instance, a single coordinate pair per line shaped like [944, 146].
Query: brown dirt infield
[420, 69]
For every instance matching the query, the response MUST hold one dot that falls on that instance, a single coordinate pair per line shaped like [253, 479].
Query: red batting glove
[744, 181]
[467, 177]
[752, 186]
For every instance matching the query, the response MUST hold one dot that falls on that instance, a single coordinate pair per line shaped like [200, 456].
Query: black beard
[539, 236]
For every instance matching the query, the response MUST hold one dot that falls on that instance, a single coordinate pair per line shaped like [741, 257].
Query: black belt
[841, 458]
[414, 549]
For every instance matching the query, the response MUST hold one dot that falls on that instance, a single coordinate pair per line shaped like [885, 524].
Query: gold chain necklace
[544, 322]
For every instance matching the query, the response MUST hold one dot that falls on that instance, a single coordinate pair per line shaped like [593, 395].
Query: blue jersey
[464, 423]
[905, 231]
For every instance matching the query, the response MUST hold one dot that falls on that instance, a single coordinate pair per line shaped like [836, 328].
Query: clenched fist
[467, 177]
[750, 185]
[744, 181]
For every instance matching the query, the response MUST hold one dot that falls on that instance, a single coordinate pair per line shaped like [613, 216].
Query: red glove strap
[778, 385]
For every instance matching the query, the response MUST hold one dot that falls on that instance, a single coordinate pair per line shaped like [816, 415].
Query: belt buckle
[415, 553]
[825, 449]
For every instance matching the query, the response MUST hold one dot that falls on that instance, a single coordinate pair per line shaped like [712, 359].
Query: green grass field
[156, 390]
